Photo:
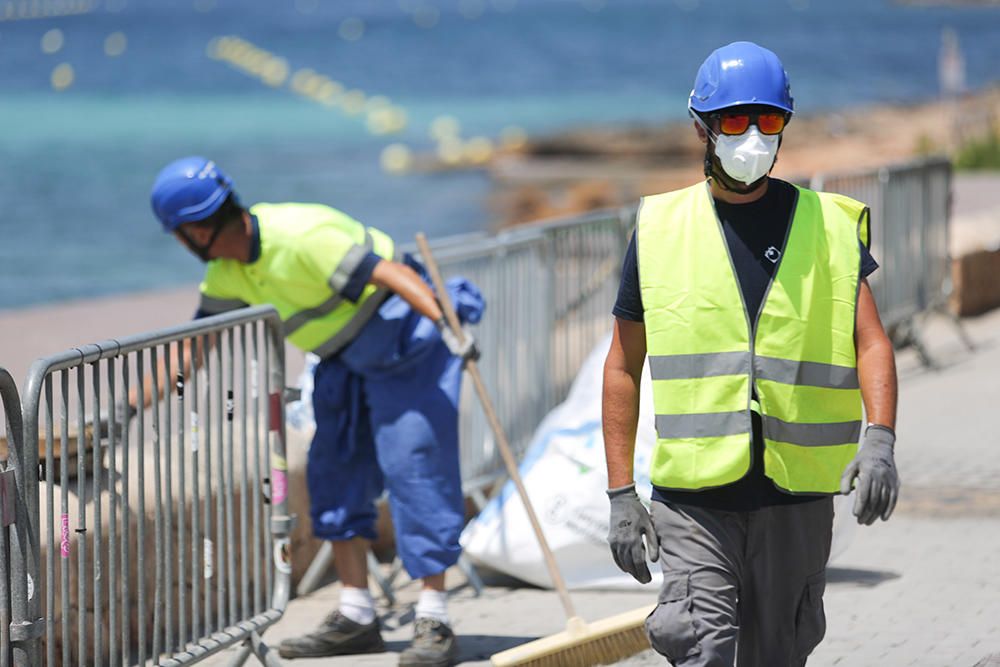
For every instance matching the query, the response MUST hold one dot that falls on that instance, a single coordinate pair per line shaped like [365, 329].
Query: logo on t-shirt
[772, 254]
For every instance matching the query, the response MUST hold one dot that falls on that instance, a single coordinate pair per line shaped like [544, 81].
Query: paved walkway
[922, 589]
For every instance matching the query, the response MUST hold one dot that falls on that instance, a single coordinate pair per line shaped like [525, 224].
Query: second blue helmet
[741, 73]
[189, 190]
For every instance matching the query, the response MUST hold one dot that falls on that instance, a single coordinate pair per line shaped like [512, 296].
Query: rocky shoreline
[590, 168]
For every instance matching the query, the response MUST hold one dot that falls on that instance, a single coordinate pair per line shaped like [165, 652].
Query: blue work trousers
[387, 419]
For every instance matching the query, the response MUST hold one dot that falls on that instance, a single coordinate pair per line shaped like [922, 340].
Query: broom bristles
[583, 645]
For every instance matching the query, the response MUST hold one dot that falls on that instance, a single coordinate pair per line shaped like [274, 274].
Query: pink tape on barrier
[279, 486]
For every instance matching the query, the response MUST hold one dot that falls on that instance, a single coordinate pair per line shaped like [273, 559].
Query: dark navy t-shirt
[755, 233]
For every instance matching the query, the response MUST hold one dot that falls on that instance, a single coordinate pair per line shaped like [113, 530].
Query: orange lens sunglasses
[768, 122]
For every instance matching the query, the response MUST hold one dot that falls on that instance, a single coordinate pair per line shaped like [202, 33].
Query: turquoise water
[77, 164]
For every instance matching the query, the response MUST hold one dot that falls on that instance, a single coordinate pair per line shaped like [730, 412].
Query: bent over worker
[386, 389]
[749, 297]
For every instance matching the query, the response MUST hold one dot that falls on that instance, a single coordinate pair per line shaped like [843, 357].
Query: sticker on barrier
[209, 556]
[194, 431]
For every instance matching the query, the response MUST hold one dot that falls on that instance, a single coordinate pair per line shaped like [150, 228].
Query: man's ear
[702, 135]
[197, 233]
[777, 151]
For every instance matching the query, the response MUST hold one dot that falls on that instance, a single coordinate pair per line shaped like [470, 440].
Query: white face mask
[749, 156]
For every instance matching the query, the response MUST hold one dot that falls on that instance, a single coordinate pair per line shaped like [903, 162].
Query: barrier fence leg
[255, 646]
[242, 655]
[960, 328]
[321, 562]
[470, 573]
[317, 568]
[916, 339]
[906, 334]
[479, 500]
[385, 585]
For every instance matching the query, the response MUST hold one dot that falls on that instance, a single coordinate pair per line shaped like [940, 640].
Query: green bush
[980, 154]
[925, 146]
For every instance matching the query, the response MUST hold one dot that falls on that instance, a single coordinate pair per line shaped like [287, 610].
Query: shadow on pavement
[858, 577]
[945, 355]
[481, 647]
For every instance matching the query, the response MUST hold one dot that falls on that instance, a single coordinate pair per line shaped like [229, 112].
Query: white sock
[357, 604]
[433, 604]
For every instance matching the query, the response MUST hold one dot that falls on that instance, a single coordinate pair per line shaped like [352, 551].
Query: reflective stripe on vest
[338, 281]
[308, 254]
[352, 328]
[212, 306]
[810, 373]
[702, 359]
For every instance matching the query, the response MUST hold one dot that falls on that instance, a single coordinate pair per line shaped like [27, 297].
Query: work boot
[338, 635]
[433, 645]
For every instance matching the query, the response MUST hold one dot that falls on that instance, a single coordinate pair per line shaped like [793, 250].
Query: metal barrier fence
[219, 575]
[549, 289]
[910, 211]
[166, 542]
[14, 536]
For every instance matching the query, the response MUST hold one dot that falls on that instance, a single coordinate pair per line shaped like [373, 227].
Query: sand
[29, 333]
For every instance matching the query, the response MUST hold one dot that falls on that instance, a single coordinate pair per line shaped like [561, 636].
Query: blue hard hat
[189, 190]
[740, 73]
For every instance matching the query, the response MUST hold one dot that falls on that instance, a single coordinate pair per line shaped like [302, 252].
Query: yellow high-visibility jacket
[706, 351]
[307, 254]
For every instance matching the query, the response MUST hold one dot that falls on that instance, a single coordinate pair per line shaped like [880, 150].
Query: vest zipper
[752, 326]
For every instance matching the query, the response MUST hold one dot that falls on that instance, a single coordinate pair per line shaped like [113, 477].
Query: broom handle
[498, 432]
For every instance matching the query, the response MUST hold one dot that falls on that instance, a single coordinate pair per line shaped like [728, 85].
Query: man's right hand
[629, 522]
[874, 468]
[465, 349]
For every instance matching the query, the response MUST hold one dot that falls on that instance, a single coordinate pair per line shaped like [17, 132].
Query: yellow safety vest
[704, 358]
[307, 254]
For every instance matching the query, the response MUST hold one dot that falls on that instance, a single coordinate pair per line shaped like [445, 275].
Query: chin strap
[202, 251]
[714, 171]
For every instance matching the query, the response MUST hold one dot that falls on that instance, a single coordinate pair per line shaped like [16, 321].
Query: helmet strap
[713, 170]
[202, 251]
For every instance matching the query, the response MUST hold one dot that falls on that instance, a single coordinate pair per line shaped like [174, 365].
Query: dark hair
[230, 211]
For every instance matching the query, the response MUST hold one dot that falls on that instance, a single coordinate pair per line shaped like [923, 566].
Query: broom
[581, 644]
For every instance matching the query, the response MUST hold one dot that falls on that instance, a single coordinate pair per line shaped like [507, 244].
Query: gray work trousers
[741, 588]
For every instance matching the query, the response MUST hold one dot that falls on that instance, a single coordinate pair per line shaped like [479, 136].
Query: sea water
[97, 95]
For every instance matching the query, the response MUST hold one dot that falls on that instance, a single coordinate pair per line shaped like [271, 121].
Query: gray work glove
[464, 350]
[875, 470]
[629, 522]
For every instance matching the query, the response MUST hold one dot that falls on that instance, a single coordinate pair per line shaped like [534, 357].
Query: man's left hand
[875, 470]
[629, 522]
